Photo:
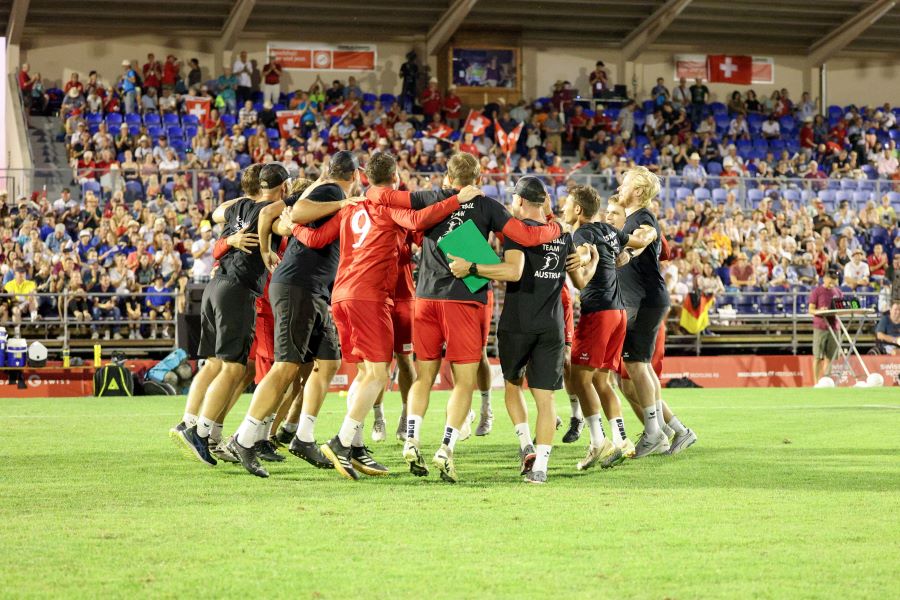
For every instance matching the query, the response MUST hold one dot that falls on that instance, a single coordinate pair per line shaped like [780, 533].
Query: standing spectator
[553, 129]
[825, 347]
[272, 80]
[431, 99]
[681, 95]
[452, 106]
[170, 72]
[26, 83]
[660, 93]
[152, 73]
[887, 332]
[625, 120]
[227, 85]
[202, 250]
[242, 69]
[699, 98]
[128, 86]
[856, 272]
[599, 80]
[807, 134]
[806, 108]
[195, 75]
[352, 91]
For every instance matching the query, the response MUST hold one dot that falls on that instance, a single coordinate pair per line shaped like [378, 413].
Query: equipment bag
[113, 380]
[169, 363]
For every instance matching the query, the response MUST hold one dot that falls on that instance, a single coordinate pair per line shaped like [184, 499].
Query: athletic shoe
[283, 436]
[655, 444]
[177, 429]
[485, 424]
[539, 477]
[627, 448]
[378, 433]
[465, 432]
[362, 460]
[682, 442]
[413, 458]
[248, 459]
[526, 457]
[195, 446]
[266, 451]
[443, 460]
[576, 426]
[607, 455]
[670, 433]
[221, 452]
[309, 451]
[339, 455]
[401, 428]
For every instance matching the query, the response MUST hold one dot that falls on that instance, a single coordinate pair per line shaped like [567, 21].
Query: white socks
[379, 412]
[189, 420]
[204, 426]
[676, 425]
[413, 427]
[524, 435]
[306, 432]
[651, 422]
[290, 427]
[348, 431]
[250, 431]
[485, 402]
[267, 429]
[595, 426]
[542, 457]
[617, 426]
[450, 437]
[660, 419]
[215, 433]
[576, 407]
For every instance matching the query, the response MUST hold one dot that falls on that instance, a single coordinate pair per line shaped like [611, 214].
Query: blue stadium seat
[249, 131]
[719, 195]
[93, 118]
[133, 119]
[754, 196]
[272, 133]
[787, 124]
[167, 190]
[848, 184]
[387, 100]
[175, 133]
[492, 191]
[860, 198]
[682, 193]
[792, 195]
[701, 193]
[370, 98]
[113, 120]
[169, 119]
[134, 190]
[155, 132]
[718, 109]
[244, 160]
[151, 119]
[228, 121]
[190, 120]
[714, 168]
[840, 196]
[90, 185]
[190, 132]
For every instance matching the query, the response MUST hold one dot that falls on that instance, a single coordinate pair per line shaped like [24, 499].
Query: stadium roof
[734, 25]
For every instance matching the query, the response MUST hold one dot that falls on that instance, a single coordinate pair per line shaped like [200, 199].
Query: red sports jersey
[370, 234]
[406, 287]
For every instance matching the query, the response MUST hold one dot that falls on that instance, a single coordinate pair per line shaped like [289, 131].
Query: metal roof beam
[647, 32]
[447, 25]
[840, 37]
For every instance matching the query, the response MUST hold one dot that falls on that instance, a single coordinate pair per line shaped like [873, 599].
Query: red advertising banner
[323, 56]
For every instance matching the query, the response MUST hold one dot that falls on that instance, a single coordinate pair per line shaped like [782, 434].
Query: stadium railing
[60, 330]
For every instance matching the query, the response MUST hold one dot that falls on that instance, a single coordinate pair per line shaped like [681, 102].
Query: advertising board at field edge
[324, 57]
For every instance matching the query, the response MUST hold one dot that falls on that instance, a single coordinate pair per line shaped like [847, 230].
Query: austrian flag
[729, 69]
[476, 123]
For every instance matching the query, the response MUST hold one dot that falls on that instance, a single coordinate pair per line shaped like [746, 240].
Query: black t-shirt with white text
[311, 268]
[248, 269]
[532, 304]
[641, 281]
[602, 291]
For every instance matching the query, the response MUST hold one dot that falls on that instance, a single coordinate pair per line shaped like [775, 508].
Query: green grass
[788, 494]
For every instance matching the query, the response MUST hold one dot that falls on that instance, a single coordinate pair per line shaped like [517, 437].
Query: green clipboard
[467, 242]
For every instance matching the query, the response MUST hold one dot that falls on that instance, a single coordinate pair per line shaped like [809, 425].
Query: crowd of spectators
[147, 175]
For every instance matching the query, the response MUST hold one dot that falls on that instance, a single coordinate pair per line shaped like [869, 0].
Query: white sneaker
[655, 444]
[413, 458]
[106, 335]
[682, 442]
[465, 432]
[117, 336]
[378, 434]
[443, 460]
[485, 424]
[95, 336]
[607, 455]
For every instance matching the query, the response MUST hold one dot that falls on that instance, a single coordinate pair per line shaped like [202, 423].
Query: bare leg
[515, 402]
[546, 416]
[249, 376]
[199, 386]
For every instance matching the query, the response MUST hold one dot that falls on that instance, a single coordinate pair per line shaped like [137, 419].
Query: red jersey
[431, 101]
[406, 287]
[452, 106]
[370, 235]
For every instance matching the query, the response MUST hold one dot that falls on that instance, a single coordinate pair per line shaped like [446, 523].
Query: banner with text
[340, 57]
[694, 66]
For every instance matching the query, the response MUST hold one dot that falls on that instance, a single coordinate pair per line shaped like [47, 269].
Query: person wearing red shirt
[452, 107]
[27, 81]
[170, 72]
[272, 80]
[807, 135]
[878, 261]
[151, 72]
[73, 83]
[431, 99]
[468, 145]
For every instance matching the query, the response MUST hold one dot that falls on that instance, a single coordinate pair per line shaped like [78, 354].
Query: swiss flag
[508, 141]
[288, 120]
[729, 69]
[440, 131]
[337, 111]
[197, 106]
[476, 123]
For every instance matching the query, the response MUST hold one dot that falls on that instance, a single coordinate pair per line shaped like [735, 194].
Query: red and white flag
[198, 106]
[440, 130]
[337, 111]
[476, 123]
[288, 120]
[729, 69]
[508, 141]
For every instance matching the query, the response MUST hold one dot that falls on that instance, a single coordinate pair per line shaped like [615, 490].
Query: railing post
[65, 320]
[795, 344]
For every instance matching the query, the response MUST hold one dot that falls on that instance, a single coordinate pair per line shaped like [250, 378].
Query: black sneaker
[248, 459]
[362, 459]
[283, 437]
[339, 455]
[576, 426]
[266, 451]
[309, 451]
[195, 446]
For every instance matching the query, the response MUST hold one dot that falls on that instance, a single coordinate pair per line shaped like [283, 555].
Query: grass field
[788, 494]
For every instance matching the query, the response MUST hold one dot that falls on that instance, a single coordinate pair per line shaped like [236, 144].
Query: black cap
[531, 189]
[833, 273]
[272, 175]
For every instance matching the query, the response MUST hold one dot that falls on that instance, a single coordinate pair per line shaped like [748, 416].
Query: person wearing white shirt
[770, 128]
[242, 69]
[202, 251]
[738, 127]
[886, 164]
[856, 272]
[694, 174]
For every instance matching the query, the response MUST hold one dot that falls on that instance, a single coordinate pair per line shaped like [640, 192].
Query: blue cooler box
[16, 352]
[2, 346]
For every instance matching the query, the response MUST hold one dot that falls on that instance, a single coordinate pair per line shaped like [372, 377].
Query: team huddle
[310, 274]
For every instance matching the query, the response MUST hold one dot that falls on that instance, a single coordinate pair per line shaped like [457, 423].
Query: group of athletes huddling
[310, 274]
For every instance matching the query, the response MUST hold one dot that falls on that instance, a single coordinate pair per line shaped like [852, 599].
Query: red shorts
[659, 352]
[568, 316]
[488, 314]
[599, 338]
[262, 351]
[365, 330]
[461, 325]
[402, 316]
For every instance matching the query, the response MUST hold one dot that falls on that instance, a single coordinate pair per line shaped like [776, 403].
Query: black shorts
[304, 329]
[641, 331]
[227, 320]
[539, 356]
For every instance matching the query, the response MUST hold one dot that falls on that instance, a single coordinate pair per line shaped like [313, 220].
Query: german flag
[695, 312]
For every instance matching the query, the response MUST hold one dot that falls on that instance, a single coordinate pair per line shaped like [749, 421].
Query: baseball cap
[205, 226]
[833, 273]
[530, 189]
[272, 175]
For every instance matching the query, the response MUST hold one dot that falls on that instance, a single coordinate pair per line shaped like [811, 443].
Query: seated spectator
[878, 262]
[742, 272]
[887, 332]
[856, 272]
[247, 114]
[738, 128]
[23, 301]
[694, 174]
[104, 306]
[158, 305]
[771, 130]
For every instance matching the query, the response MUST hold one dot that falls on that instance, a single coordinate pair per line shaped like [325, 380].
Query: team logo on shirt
[453, 223]
[549, 269]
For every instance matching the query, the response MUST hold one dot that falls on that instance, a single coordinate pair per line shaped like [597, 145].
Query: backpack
[113, 380]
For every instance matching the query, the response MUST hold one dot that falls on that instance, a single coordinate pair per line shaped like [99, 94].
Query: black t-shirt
[247, 269]
[435, 279]
[532, 304]
[602, 291]
[699, 93]
[640, 281]
[311, 268]
[888, 327]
